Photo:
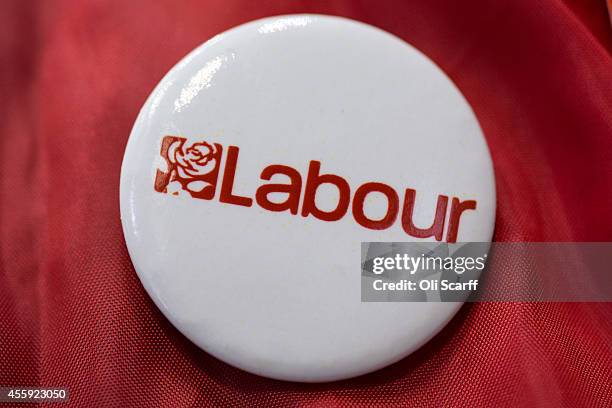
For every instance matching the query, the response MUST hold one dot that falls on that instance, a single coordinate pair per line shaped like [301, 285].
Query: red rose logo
[193, 168]
[197, 160]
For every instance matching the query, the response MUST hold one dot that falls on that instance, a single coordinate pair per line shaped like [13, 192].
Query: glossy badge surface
[260, 163]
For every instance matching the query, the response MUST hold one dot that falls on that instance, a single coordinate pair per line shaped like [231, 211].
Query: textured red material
[72, 311]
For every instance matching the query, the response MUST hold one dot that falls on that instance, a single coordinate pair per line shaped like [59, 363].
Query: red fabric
[72, 311]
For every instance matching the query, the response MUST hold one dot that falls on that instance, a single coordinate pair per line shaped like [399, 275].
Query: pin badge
[262, 161]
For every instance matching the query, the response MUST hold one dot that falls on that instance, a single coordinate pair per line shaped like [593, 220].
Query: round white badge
[264, 159]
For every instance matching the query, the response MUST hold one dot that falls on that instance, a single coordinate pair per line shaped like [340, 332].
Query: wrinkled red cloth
[72, 310]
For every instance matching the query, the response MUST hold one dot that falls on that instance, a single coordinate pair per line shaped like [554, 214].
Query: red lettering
[392, 208]
[313, 181]
[436, 229]
[293, 189]
[457, 209]
[227, 185]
